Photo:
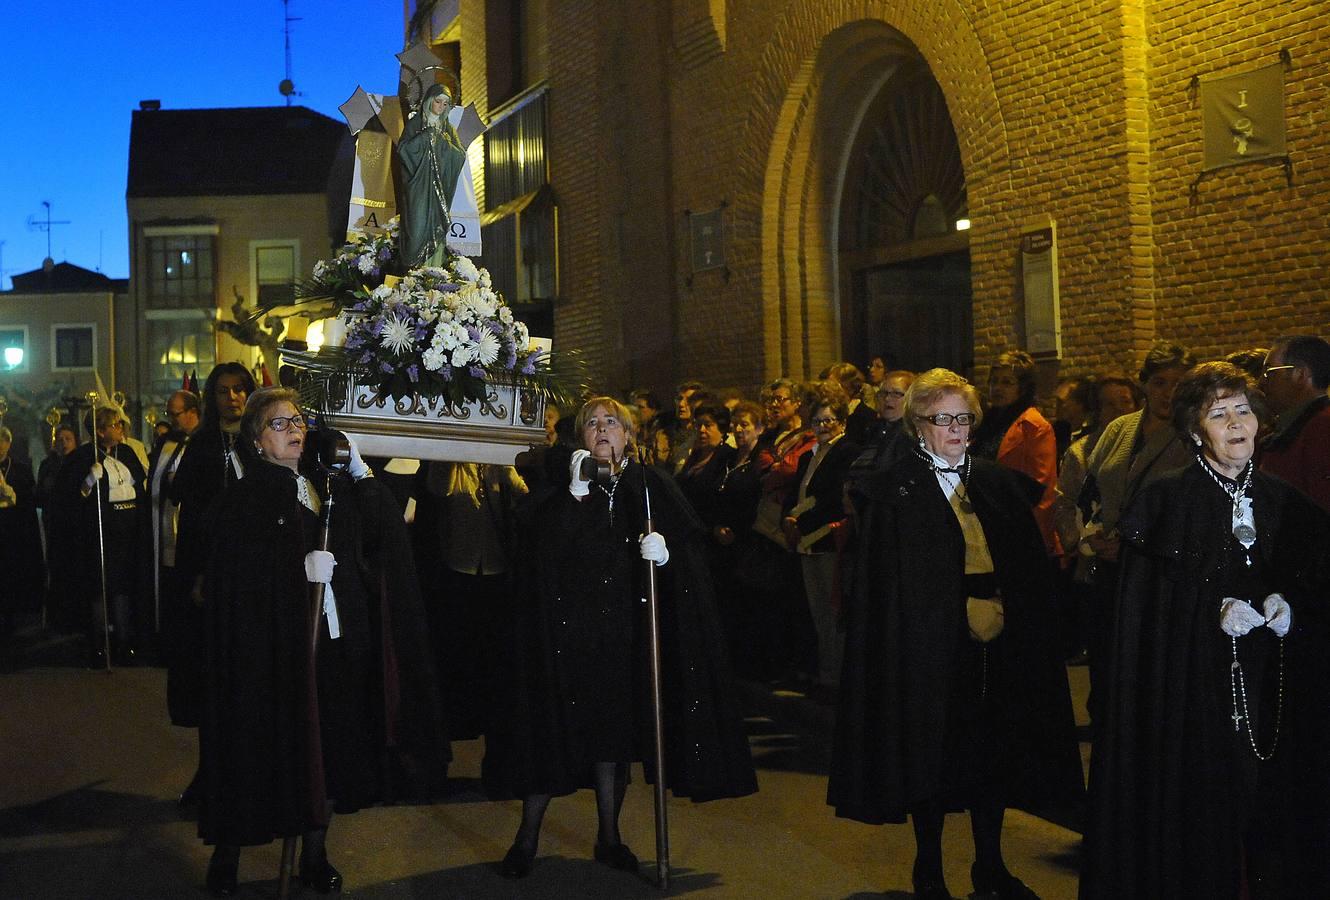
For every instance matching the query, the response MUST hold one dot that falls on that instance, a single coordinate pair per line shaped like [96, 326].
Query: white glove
[319, 565]
[578, 486]
[652, 547]
[985, 616]
[1278, 614]
[356, 467]
[94, 475]
[1237, 617]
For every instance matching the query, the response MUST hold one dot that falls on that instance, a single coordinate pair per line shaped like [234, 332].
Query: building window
[14, 356]
[178, 346]
[273, 267]
[73, 347]
[180, 271]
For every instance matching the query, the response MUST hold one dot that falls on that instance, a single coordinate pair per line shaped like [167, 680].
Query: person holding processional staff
[575, 712]
[106, 473]
[295, 729]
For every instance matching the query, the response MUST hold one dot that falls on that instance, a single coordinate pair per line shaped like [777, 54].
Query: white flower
[466, 269]
[487, 348]
[484, 280]
[398, 335]
[382, 292]
[320, 270]
[433, 359]
[365, 263]
[522, 337]
[505, 315]
[463, 355]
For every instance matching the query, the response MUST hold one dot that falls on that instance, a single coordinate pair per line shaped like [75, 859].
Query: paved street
[91, 769]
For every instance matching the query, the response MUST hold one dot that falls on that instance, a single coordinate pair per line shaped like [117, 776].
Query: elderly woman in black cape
[953, 695]
[577, 711]
[287, 736]
[1210, 778]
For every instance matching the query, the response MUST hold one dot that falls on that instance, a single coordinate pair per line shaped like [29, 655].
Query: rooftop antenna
[287, 87]
[36, 224]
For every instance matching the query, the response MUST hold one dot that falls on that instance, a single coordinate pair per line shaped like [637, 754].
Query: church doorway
[904, 249]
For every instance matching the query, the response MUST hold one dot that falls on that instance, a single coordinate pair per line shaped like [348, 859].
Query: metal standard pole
[101, 538]
[316, 610]
[653, 614]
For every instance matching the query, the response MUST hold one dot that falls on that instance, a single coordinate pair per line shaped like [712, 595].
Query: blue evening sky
[75, 71]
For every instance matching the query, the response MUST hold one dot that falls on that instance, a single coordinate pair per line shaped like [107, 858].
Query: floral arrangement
[358, 268]
[438, 332]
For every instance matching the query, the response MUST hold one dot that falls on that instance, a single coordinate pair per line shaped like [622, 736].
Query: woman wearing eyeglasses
[953, 695]
[814, 512]
[291, 735]
[575, 709]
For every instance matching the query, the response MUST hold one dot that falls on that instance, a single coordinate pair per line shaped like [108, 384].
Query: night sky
[74, 72]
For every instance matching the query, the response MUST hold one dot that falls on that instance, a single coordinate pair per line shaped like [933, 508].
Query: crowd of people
[925, 556]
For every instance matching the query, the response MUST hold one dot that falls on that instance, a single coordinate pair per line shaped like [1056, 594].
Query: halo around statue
[415, 89]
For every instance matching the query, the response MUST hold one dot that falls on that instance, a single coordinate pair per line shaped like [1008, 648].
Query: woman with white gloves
[1209, 776]
[573, 711]
[301, 713]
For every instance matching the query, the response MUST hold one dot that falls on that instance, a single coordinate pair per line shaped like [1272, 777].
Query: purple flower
[529, 367]
[366, 357]
[446, 373]
[386, 368]
[474, 332]
[511, 359]
[386, 253]
[476, 372]
[421, 331]
[377, 328]
[413, 372]
[448, 287]
[354, 341]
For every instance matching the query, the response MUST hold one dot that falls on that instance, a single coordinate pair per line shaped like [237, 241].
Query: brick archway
[824, 63]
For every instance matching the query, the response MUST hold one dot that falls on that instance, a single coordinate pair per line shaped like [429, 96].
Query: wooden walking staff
[653, 615]
[101, 537]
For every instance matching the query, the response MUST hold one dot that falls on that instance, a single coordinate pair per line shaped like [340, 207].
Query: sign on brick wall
[1243, 116]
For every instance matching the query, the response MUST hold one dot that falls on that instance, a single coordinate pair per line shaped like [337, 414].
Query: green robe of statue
[431, 158]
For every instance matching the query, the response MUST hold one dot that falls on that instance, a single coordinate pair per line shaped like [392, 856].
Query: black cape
[907, 642]
[24, 576]
[263, 774]
[564, 644]
[1173, 787]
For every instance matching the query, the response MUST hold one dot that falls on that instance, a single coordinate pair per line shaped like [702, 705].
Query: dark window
[73, 347]
[275, 268]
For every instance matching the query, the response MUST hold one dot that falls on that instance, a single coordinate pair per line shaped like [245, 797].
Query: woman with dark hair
[213, 460]
[705, 467]
[1133, 451]
[1016, 434]
[1208, 776]
[815, 513]
[293, 729]
[953, 694]
[736, 506]
[577, 712]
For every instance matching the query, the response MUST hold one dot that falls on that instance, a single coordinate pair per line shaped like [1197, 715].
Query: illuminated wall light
[962, 224]
[314, 336]
[13, 357]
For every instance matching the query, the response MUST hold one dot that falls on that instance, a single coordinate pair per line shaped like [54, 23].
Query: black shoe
[929, 886]
[221, 880]
[321, 879]
[616, 856]
[517, 862]
[999, 885]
